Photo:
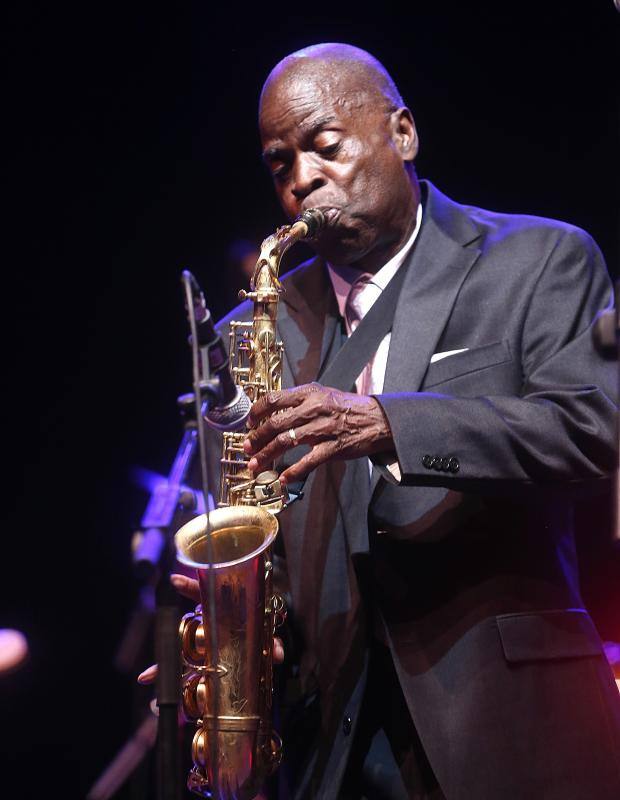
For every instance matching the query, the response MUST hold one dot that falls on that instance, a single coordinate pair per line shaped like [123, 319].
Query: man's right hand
[188, 587]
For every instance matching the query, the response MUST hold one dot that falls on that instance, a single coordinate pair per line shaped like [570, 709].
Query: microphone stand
[158, 545]
[207, 357]
[155, 554]
[167, 646]
[154, 558]
[158, 517]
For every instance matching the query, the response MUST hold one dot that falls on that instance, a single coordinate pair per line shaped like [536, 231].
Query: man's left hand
[337, 425]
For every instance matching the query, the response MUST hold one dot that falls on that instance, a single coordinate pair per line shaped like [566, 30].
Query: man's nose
[307, 176]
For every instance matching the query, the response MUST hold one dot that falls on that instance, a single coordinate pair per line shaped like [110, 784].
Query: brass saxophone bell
[236, 726]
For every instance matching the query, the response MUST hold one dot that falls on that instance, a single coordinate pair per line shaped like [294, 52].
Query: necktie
[360, 299]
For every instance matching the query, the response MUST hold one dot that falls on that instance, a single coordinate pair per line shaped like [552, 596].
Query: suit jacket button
[437, 463]
[346, 725]
[427, 461]
[454, 465]
[445, 464]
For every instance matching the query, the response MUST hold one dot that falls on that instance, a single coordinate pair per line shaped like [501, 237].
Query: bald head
[358, 74]
[336, 136]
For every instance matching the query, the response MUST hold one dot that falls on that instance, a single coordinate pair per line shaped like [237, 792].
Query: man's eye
[329, 150]
[279, 172]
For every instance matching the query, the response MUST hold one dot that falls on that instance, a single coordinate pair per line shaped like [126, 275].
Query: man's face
[330, 144]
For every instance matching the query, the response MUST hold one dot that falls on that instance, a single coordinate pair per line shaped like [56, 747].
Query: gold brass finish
[234, 747]
[246, 616]
[194, 695]
[255, 357]
[191, 631]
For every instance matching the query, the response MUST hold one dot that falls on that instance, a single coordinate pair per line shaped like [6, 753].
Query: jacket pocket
[468, 361]
[542, 635]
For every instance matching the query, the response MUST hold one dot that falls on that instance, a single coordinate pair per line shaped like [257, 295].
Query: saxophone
[230, 695]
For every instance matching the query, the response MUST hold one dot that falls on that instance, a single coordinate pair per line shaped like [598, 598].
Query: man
[434, 588]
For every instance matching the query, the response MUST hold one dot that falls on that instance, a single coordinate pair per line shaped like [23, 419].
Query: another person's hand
[188, 587]
[337, 425]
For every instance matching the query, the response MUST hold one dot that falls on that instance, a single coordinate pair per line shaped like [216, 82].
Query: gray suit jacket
[472, 572]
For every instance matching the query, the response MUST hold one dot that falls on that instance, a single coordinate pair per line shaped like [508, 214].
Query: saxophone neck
[256, 363]
[305, 226]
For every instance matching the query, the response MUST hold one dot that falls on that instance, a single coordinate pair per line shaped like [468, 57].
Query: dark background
[130, 152]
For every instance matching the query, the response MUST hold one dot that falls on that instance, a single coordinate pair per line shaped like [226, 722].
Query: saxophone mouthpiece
[314, 220]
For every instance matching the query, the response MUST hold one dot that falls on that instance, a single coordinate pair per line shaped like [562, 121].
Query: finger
[278, 650]
[272, 402]
[276, 401]
[271, 427]
[188, 587]
[149, 675]
[313, 407]
[319, 454]
[312, 433]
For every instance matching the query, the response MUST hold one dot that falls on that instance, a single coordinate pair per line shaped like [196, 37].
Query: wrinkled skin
[332, 140]
[338, 425]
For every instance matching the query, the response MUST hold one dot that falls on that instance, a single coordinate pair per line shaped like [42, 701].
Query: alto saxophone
[235, 748]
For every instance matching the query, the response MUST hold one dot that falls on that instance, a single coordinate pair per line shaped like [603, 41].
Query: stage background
[131, 152]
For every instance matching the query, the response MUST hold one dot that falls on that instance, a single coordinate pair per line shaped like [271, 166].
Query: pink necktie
[357, 306]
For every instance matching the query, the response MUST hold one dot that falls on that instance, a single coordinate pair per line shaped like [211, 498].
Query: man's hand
[337, 425]
[189, 588]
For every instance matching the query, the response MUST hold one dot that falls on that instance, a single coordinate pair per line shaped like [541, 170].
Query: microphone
[232, 405]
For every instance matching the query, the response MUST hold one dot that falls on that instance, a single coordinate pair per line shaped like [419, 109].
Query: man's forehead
[327, 81]
[309, 102]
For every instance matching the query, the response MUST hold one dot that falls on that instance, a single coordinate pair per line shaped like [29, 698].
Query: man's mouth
[330, 213]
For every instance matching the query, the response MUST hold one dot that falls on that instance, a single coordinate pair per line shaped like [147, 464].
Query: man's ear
[404, 133]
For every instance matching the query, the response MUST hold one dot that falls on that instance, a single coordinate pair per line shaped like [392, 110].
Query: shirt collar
[343, 277]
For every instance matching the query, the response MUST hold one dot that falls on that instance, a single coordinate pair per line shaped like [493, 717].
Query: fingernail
[252, 464]
[178, 581]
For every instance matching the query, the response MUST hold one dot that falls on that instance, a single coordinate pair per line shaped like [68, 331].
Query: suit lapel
[309, 319]
[439, 263]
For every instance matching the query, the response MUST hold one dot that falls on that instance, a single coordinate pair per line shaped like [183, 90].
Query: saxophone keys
[192, 635]
[193, 695]
[278, 606]
[274, 756]
[269, 491]
[198, 784]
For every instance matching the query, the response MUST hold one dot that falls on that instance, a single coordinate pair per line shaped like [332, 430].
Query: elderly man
[431, 563]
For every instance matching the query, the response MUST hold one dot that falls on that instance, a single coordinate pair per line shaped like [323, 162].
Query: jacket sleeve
[561, 426]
